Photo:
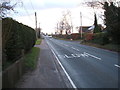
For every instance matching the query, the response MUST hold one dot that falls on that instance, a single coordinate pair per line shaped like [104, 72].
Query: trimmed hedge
[16, 38]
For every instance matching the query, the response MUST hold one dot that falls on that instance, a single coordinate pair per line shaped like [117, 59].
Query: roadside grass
[31, 58]
[38, 42]
[111, 47]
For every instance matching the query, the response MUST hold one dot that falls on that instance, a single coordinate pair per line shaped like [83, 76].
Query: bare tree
[61, 27]
[99, 3]
[6, 7]
[66, 23]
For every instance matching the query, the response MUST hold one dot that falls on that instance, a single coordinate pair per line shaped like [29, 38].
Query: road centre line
[65, 45]
[75, 49]
[117, 65]
[62, 67]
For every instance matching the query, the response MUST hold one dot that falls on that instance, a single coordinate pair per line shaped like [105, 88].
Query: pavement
[48, 73]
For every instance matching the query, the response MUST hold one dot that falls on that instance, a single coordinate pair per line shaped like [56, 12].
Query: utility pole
[36, 24]
[39, 31]
[57, 29]
[71, 24]
[81, 24]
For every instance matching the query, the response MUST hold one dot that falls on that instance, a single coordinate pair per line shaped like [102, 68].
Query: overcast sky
[49, 13]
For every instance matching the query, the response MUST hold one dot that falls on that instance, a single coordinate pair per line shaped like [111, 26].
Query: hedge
[98, 38]
[73, 36]
[88, 36]
[16, 38]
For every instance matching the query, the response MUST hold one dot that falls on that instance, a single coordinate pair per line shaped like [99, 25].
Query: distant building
[84, 29]
[90, 29]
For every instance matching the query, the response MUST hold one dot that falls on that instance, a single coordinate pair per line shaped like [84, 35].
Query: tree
[61, 27]
[6, 7]
[112, 21]
[66, 23]
[97, 28]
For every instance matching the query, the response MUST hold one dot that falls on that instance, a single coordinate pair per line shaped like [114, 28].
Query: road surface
[86, 66]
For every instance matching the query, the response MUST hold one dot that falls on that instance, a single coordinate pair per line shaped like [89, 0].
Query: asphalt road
[87, 67]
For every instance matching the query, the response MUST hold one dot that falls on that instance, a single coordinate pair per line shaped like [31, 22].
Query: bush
[16, 37]
[100, 38]
[76, 36]
[88, 36]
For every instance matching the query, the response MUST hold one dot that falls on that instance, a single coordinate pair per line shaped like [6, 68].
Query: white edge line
[64, 69]
[117, 65]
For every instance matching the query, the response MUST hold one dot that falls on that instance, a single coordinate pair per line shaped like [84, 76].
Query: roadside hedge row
[98, 38]
[17, 39]
[73, 36]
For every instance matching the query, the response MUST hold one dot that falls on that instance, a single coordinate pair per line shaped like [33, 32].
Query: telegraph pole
[39, 31]
[81, 24]
[36, 24]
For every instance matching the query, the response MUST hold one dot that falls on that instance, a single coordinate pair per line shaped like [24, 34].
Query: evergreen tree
[112, 21]
[97, 27]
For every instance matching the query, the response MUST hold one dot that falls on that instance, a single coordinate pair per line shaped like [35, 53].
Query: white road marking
[66, 45]
[78, 55]
[73, 55]
[63, 68]
[92, 56]
[68, 56]
[64, 71]
[75, 49]
[84, 55]
[117, 65]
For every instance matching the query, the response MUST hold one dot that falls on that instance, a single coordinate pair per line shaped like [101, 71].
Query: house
[84, 29]
[90, 29]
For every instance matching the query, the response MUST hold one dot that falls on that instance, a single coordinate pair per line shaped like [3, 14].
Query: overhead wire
[32, 5]
[26, 11]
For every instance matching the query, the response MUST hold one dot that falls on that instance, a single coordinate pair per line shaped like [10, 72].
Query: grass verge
[38, 42]
[111, 47]
[32, 57]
